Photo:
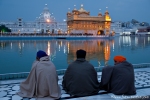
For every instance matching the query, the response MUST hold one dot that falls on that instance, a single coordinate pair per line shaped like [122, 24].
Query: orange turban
[119, 58]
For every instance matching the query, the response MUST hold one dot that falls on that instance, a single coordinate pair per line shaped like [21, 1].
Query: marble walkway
[8, 89]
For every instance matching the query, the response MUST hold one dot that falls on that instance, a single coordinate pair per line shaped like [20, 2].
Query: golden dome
[82, 9]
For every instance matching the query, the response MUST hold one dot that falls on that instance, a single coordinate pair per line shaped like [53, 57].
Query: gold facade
[81, 22]
[96, 50]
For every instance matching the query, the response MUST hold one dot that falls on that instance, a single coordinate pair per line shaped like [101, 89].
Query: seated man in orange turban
[118, 79]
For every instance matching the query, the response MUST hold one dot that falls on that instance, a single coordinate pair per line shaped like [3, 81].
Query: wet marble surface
[8, 89]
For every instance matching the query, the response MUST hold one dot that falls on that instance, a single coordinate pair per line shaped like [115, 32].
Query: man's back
[80, 79]
[122, 81]
[42, 80]
[118, 79]
[46, 78]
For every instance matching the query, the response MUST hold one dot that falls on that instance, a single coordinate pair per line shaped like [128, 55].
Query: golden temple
[80, 22]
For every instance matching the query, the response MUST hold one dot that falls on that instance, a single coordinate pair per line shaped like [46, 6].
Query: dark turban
[40, 54]
[81, 53]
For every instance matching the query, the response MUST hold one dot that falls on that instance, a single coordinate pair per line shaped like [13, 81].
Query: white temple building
[45, 23]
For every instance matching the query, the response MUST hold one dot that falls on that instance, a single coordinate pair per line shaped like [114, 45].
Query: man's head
[81, 53]
[118, 59]
[40, 54]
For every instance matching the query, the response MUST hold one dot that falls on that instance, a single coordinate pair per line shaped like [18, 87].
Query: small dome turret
[106, 13]
[82, 9]
[45, 15]
[99, 14]
[46, 8]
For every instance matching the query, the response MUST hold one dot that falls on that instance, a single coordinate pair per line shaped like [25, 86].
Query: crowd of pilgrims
[80, 78]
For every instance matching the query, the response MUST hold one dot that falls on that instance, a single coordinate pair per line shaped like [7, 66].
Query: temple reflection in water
[98, 50]
[21, 53]
[134, 41]
[58, 50]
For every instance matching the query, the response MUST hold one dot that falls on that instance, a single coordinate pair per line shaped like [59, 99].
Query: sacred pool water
[18, 55]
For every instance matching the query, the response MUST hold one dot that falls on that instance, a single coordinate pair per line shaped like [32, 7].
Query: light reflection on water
[18, 55]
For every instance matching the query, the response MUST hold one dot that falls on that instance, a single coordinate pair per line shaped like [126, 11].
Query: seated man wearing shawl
[80, 78]
[118, 79]
[42, 80]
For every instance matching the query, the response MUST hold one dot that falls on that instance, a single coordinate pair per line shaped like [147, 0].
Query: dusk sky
[120, 10]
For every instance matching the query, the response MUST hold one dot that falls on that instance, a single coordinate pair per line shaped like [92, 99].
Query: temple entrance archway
[48, 31]
[100, 32]
[42, 31]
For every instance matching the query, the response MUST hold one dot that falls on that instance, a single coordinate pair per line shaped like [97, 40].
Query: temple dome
[106, 12]
[82, 9]
[46, 8]
[45, 15]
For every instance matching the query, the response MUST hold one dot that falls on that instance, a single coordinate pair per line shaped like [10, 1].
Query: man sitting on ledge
[118, 79]
[80, 78]
[42, 81]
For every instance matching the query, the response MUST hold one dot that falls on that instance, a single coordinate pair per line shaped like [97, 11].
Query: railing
[142, 65]
[59, 72]
[55, 36]
[58, 37]
[51, 35]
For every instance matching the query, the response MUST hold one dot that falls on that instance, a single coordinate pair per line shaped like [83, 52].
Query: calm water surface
[18, 55]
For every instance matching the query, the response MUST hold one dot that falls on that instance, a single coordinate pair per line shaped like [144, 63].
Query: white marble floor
[8, 89]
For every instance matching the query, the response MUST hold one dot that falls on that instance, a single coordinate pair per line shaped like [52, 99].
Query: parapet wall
[21, 75]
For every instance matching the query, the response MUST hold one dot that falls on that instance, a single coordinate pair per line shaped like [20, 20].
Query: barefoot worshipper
[42, 80]
[118, 79]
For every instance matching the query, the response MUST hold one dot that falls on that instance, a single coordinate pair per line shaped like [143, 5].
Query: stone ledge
[8, 88]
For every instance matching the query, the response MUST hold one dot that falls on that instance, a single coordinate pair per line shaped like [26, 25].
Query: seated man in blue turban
[80, 78]
[42, 80]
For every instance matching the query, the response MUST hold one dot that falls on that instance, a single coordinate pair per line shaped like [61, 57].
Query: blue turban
[40, 54]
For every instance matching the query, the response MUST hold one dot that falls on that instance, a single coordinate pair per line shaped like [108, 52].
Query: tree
[133, 21]
[123, 25]
[3, 28]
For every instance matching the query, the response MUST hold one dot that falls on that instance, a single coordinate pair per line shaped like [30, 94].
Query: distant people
[118, 79]
[42, 80]
[80, 78]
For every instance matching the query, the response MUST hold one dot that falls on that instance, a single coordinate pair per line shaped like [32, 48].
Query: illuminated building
[45, 23]
[80, 21]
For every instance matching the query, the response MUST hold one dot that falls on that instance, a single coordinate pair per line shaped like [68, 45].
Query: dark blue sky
[120, 10]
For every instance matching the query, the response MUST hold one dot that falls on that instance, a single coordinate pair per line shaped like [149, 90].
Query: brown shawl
[42, 81]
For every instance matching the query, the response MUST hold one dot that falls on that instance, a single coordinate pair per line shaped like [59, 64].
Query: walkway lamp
[34, 31]
[18, 32]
